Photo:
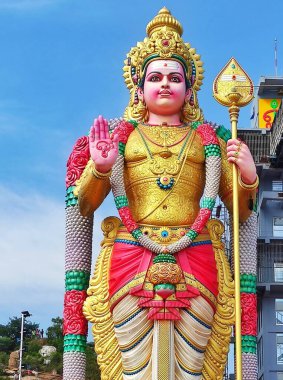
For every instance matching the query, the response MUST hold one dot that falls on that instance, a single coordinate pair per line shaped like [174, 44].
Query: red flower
[75, 326]
[74, 297]
[124, 129]
[127, 219]
[249, 314]
[207, 134]
[81, 144]
[201, 220]
[79, 160]
[72, 175]
[74, 320]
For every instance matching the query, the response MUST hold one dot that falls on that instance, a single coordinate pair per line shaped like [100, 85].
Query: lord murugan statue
[161, 298]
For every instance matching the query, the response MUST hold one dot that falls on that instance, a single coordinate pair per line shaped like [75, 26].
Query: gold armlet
[253, 186]
[100, 175]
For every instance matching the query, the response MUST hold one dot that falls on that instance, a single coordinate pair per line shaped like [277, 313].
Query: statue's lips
[165, 93]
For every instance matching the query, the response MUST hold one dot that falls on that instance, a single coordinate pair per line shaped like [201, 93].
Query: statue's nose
[165, 82]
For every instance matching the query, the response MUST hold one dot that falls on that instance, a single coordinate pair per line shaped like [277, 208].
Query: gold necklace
[162, 168]
[166, 135]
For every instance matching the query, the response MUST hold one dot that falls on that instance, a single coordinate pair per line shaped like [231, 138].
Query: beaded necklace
[212, 172]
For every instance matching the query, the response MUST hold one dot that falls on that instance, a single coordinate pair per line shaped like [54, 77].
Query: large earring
[190, 110]
[136, 109]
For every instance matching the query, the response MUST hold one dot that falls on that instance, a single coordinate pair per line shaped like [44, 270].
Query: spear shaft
[234, 114]
[234, 89]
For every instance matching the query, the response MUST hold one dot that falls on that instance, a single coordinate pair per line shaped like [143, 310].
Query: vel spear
[233, 88]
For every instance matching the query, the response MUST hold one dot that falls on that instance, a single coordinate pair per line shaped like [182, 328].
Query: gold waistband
[162, 234]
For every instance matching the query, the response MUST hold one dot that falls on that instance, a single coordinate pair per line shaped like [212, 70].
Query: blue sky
[61, 65]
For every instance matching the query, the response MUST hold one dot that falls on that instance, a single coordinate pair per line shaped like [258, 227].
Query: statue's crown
[163, 41]
[164, 18]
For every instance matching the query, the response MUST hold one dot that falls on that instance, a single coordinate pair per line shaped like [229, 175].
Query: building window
[259, 315]
[279, 375]
[279, 346]
[279, 311]
[277, 185]
[278, 272]
[260, 353]
[278, 227]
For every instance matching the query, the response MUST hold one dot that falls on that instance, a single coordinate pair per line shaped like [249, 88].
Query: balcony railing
[258, 142]
[270, 262]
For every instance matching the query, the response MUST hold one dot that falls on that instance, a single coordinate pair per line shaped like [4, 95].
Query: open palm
[103, 149]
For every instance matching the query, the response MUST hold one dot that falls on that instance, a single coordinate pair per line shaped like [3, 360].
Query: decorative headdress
[164, 41]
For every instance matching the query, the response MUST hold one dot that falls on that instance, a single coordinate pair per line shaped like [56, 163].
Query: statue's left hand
[239, 154]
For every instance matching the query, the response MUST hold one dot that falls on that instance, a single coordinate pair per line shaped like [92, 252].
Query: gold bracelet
[100, 175]
[245, 186]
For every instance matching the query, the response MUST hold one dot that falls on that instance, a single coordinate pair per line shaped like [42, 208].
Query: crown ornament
[163, 41]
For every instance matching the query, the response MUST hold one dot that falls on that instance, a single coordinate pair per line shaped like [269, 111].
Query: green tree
[55, 334]
[34, 360]
[13, 330]
[6, 344]
[4, 360]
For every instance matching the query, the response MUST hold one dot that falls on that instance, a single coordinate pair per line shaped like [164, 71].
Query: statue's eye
[175, 78]
[154, 78]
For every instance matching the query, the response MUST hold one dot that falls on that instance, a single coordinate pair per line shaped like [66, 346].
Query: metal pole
[234, 114]
[21, 347]
[275, 56]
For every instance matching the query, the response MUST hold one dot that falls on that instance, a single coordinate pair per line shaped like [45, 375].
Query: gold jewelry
[253, 186]
[239, 147]
[168, 137]
[100, 175]
[236, 154]
[191, 112]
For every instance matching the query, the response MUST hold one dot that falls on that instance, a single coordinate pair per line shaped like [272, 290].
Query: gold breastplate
[155, 153]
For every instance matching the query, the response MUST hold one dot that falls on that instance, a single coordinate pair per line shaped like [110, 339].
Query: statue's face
[164, 89]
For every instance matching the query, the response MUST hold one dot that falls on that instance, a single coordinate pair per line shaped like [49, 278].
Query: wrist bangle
[100, 175]
[253, 186]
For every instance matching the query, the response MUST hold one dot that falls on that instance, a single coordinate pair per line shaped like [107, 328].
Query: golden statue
[161, 297]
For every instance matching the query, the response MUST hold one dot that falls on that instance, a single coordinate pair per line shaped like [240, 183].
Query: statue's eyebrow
[153, 72]
[158, 72]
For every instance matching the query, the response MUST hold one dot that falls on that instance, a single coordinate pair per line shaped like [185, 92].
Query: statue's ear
[188, 95]
[140, 94]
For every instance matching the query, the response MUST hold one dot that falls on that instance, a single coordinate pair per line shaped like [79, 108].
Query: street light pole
[24, 315]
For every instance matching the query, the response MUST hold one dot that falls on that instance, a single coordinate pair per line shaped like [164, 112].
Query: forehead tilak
[157, 65]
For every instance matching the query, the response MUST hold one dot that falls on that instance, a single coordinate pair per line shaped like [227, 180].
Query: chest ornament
[165, 164]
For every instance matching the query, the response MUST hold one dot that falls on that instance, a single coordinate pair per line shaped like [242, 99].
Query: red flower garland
[249, 314]
[74, 320]
[77, 161]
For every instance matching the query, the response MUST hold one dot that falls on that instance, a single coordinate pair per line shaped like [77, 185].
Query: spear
[233, 88]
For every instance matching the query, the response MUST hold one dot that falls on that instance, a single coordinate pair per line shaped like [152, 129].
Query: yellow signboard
[267, 109]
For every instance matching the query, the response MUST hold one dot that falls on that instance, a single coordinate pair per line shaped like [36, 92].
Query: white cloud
[32, 252]
[32, 229]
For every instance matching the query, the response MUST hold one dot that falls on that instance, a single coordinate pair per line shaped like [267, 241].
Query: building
[265, 140]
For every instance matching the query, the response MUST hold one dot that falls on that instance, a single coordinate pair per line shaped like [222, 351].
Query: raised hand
[103, 149]
[239, 153]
